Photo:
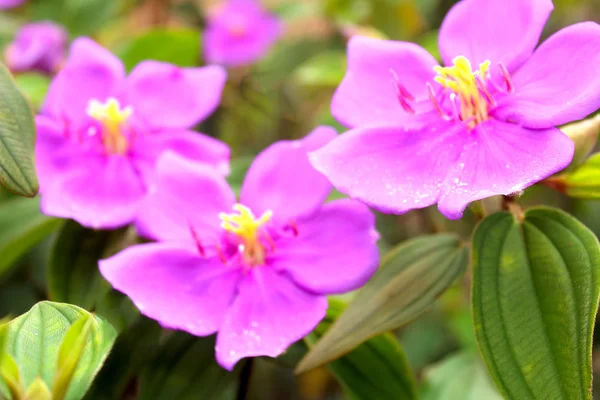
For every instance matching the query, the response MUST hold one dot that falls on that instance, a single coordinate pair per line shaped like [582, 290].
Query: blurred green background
[283, 96]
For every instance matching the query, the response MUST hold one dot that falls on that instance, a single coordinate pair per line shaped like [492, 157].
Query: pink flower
[257, 271]
[10, 3]
[100, 133]
[239, 33]
[40, 46]
[482, 126]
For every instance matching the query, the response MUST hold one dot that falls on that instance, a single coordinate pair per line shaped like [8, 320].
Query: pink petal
[54, 153]
[98, 192]
[185, 194]
[282, 180]
[502, 158]
[147, 148]
[560, 81]
[174, 285]
[393, 169]
[91, 72]
[259, 32]
[268, 315]
[335, 250]
[368, 93]
[166, 96]
[505, 31]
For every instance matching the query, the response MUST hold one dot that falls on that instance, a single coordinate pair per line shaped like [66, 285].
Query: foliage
[499, 304]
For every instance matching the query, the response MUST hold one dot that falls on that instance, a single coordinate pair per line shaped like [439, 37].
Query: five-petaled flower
[481, 126]
[257, 271]
[39, 46]
[100, 133]
[240, 32]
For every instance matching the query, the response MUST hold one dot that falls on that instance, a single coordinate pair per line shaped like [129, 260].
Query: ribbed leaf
[410, 278]
[17, 138]
[377, 369]
[34, 340]
[536, 285]
[22, 227]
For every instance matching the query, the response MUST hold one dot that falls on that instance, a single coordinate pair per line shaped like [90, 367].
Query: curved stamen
[405, 105]
[485, 92]
[400, 89]
[453, 101]
[436, 104]
[509, 85]
[197, 240]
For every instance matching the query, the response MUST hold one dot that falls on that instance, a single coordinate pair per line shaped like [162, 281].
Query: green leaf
[185, 368]
[460, 376]
[536, 286]
[377, 369]
[38, 390]
[23, 226]
[10, 376]
[69, 355]
[17, 138]
[73, 275]
[324, 70]
[34, 340]
[585, 181]
[176, 46]
[408, 282]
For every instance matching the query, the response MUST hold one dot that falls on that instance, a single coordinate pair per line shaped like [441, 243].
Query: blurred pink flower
[240, 32]
[39, 46]
[100, 133]
[258, 276]
[482, 126]
[10, 3]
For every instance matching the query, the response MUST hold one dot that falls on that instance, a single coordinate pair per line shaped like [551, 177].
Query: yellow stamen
[248, 228]
[462, 80]
[112, 117]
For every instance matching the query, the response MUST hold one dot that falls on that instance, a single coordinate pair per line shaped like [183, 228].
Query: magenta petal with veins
[258, 276]
[100, 132]
[481, 126]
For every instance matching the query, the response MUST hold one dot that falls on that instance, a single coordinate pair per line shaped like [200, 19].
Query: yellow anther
[462, 80]
[248, 229]
[112, 117]
[484, 69]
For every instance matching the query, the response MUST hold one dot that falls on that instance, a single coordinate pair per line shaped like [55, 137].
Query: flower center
[469, 89]
[467, 95]
[113, 119]
[250, 231]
